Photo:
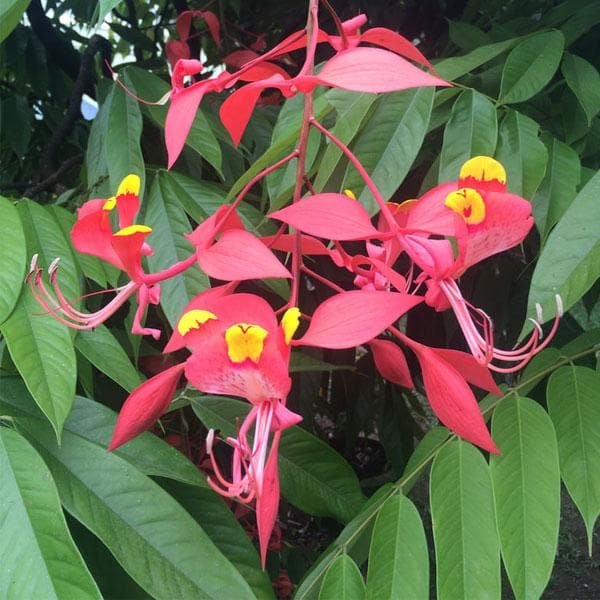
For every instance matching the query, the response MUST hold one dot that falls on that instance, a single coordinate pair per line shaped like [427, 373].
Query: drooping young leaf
[41, 347]
[530, 66]
[314, 477]
[522, 153]
[342, 581]
[39, 557]
[398, 559]
[584, 80]
[14, 258]
[573, 405]
[464, 529]
[570, 261]
[471, 131]
[526, 481]
[155, 540]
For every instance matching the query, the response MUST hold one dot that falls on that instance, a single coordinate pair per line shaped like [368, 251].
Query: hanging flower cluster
[238, 346]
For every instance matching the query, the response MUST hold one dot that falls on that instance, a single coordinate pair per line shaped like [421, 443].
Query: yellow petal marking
[290, 322]
[350, 194]
[109, 204]
[129, 185]
[245, 340]
[193, 319]
[468, 204]
[483, 168]
[134, 229]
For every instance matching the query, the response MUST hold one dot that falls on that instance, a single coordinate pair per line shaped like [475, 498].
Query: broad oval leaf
[313, 476]
[342, 581]
[41, 347]
[155, 540]
[574, 407]
[569, 263]
[584, 80]
[464, 529]
[398, 559]
[472, 130]
[526, 482]
[38, 555]
[14, 258]
[530, 66]
[11, 12]
[355, 317]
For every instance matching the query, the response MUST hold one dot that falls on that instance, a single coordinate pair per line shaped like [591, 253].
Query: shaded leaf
[11, 12]
[584, 80]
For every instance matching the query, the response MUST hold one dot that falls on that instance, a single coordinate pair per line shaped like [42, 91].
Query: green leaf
[351, 111]
[471, 131]
[11, 12]
[303, 363]
[95, 156]
[200, 138]
[122, 138]
[526, 482]
[314, 477]
[573, 394]
[522, 153]
[398, 559]
[16, 117]
[390, 142]
[530, 66]
[95, 422]
[558, 188]
[40, 346]
[14, 257]
[569, 263]
[584, 80]
[342, 581]
[464, 529]
[39, 557]
[466, 36]
[103, 350]
[539, 367]
[103, 8]
[169, 223]
[581, 22]
[155, 540]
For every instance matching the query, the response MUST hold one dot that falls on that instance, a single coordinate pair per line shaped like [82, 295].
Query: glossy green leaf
[558, 188]
[96, 166]
[398, 559]
[96, 422]
[472, 130]
[584, 80]
[14, 257]
[574, 407]
[11, 12]
[530, 66]
[122, 138]
[351, 111]
[522, 153]
[314, 477]
[103, 350]
[155, 540]
[526, 482]
[40, 346]
[540, 366]
[169, 223]
[38, 556]
[390, 142]
[467, 549]
[422, 455]
[200, 138]
[342, 581]
[569, 263]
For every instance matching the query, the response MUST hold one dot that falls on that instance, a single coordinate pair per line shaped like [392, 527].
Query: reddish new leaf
[184, 22]
[391, 362]
[374, 70]
[356, 317]
[145, 404]
[287, 243]
[467, 365]
[238, 255]
[380, 36]
[330, 216]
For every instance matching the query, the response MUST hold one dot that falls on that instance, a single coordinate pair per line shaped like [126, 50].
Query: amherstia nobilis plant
[240, 344]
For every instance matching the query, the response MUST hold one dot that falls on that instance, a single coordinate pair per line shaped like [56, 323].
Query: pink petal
[239, 255]
[145, 404]
[374, 70]
[434, 257]
[430, 214]
[452, 399]
[283, 418]
[356, 317]
[330, 216]
[176, 50]
[204, 234]
[267, 502]
[129, 250]
[380, 36]
[391, 362]
[128, 206]
[92, 233]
